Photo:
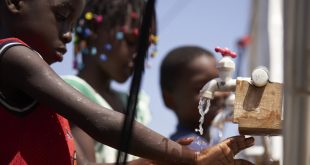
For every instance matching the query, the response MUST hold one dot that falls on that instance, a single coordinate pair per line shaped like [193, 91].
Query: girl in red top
[34, 98]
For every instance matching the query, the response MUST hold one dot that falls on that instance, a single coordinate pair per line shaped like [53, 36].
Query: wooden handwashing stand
[258, 110]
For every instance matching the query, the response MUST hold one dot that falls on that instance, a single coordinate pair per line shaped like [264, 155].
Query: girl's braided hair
[123, 15]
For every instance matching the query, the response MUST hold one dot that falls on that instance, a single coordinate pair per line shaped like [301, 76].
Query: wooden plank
[258, 110]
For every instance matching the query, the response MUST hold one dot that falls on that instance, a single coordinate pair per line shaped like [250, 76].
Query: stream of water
[203, 107]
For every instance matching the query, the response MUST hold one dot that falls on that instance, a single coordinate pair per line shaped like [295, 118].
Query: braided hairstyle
[124, 15]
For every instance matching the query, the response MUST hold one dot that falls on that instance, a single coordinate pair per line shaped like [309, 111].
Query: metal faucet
[225, 82]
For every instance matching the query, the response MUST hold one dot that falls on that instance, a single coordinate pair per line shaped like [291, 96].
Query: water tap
[225, 82]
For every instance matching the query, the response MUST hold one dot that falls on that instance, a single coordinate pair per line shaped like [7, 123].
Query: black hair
[113, 13]
[175, 61]
[125, 16]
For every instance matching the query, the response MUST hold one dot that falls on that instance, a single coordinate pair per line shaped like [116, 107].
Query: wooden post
[257, 110]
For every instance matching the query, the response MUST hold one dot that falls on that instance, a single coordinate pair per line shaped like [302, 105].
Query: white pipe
[217, 85]
[275, 36]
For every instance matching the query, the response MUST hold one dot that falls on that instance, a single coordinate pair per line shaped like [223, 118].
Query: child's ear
[13, 5]
[168, 99]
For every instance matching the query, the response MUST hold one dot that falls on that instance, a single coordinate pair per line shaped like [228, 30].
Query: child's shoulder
[11, 52]
[18, 62]
[7, 43]
[14, 47]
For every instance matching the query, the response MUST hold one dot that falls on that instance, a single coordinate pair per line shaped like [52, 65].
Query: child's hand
[224, 152]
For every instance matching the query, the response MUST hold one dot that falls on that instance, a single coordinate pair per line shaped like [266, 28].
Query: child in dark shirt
[184, 71]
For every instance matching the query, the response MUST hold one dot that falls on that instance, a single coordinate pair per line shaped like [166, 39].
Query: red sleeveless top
[33, 134]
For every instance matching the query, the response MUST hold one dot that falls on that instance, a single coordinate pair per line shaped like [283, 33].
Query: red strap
[8, 40]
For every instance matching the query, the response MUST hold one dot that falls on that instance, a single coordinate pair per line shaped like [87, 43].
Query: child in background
[35, 101]
[105, 45]
[184, 71]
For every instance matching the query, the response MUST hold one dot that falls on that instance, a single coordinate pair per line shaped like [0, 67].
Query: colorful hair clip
[154, 53]
[119, 35]
[81, 22]
[135, 31]
[153, 47]
[107, 46]
[75, 39]
[75, 64]
[154, 39]
[103, 57]
[99, 18]
[87, 32]
[79, 29]
[93, 51]
[89, 16]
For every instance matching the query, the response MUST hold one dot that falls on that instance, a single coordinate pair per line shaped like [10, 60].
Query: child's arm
[23, 69]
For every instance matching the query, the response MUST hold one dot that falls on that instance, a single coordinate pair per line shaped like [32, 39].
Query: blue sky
[206, 23]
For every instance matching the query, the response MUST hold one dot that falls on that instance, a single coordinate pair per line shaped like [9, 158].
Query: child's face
[186, 93]
[46, 25]
[120, 62]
